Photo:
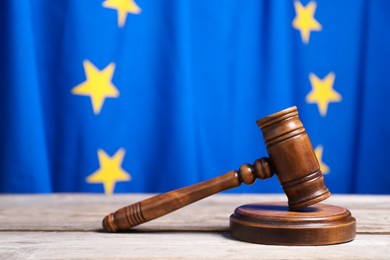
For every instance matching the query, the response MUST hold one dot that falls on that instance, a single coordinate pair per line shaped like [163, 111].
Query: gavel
[291, 157]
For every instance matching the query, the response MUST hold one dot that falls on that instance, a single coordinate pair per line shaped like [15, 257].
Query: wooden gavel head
[293, 159]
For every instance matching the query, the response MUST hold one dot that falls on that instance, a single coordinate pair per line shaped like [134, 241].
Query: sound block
[274, 224]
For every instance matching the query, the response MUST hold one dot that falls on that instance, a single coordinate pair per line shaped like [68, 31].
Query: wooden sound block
[274, 224]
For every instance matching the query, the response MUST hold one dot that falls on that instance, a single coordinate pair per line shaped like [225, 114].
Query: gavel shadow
[203, 227]
[270, 223]
[218, 233]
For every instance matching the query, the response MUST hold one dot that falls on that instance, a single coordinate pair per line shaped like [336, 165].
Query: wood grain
[175, 245]
[66, 226]
[83, 212]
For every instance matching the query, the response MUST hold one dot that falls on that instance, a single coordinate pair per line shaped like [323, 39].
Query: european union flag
[121, 96]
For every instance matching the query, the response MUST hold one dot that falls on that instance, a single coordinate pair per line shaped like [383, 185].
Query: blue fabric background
[193, 78]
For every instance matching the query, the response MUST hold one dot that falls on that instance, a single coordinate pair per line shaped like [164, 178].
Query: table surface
[68, 226]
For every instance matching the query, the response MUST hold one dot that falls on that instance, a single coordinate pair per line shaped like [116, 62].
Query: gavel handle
[159, 205]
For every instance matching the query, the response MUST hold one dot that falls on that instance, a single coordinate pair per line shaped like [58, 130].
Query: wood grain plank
[175, 245]
[372, 212]
[84, 212]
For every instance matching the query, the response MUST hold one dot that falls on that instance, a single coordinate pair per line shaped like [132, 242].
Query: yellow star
[110, 171]
[123, 7]
[304, 20]
[322, 92]
[324, 168]
[98, 85]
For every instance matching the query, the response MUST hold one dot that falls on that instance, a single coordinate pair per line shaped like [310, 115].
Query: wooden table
[68, 226]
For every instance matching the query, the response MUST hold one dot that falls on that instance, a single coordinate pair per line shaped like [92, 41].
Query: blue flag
[115, 96]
